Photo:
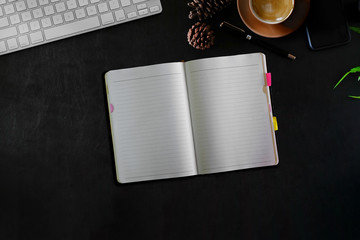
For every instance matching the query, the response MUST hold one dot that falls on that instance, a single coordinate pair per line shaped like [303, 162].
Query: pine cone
[204, 9]
[200, 36]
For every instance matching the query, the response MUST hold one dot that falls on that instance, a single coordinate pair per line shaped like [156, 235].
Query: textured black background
[57, 175]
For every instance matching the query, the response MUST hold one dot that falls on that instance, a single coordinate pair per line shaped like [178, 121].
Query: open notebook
[181, 119]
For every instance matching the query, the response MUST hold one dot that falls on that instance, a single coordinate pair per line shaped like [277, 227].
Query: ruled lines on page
[151, 123]
[230, 113]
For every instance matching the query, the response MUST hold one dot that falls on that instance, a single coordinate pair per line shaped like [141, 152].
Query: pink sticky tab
[268, 79]
[111, 108]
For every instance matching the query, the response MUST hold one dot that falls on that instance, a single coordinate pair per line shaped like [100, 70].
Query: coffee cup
[271, 11]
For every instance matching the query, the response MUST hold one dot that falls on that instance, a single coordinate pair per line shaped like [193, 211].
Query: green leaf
[355, 29]
[353, 70]
[341, 79]
[356, 97]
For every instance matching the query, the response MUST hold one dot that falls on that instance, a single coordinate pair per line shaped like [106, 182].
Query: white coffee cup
[271, 11]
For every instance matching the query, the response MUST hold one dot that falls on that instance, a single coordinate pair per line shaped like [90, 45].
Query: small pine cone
[200, 36]
[204, 9]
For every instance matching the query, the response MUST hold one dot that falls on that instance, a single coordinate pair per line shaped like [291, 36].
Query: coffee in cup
[271, 11]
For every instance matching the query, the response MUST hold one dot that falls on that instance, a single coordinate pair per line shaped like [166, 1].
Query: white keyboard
[27, 23]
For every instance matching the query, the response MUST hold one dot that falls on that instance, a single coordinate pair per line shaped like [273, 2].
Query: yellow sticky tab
[275, 124]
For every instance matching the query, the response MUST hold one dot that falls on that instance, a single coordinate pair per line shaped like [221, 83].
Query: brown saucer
[296, 19]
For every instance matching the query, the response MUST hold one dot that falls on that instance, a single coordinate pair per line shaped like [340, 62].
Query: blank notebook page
[151, 123]
[230, 113]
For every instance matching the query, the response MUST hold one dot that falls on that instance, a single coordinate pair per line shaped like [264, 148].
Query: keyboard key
[80, 13]
[49, 10]
[43, 2]
[83, 2]
[12, 43]
[131, 15]
[125, 3]
[60, 7]
[94, 1]
[2, 2]
[46, 22]
[141, 6]
[2, 46]
[71, 4]
[114, 4]
[72, 28]
[1, 12]
[20, 6]
[4, 22]
[102, 7]
[8, 32]
[23, 28]
[26, 16]
[24, 41]
[119, 15]
[9, 9]
[69, 16]
[91, 10]
[138, 1]
[107, 18]
[57, 19]
[35, 25]
[14, 19]
[36, 37]
[38, 13]
[154, 9]
[143, 12]
[31, 3]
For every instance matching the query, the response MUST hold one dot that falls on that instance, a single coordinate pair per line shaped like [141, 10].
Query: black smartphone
[327, 25]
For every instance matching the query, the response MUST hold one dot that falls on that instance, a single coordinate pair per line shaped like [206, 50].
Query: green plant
[353, 70]
[355, 29]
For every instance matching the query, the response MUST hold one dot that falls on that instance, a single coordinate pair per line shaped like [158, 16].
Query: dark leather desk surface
[57, 176]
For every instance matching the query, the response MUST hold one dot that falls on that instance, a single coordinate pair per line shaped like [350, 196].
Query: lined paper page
[230, 113]
[151, 124]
